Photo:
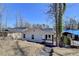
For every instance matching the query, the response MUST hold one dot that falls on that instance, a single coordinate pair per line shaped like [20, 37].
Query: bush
[66, 40]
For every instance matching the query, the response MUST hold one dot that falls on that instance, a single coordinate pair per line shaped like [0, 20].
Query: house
[32, 34]
[38, 34]
[74, 35]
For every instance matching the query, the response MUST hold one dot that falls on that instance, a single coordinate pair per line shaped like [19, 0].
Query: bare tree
[21, 22]
[1, 14]
[18, 21]
[42, 26]
[71, 24]
[57, 11]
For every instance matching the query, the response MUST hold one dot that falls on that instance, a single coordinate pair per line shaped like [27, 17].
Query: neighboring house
[38, 34]
[74, 35]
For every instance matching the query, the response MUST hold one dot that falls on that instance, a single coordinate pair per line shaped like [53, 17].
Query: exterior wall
[39, 35]
[48, 33]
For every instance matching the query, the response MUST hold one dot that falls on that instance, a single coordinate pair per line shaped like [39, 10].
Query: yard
[22, 48]
[65, 51]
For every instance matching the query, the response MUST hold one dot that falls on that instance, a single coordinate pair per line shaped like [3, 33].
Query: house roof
[12, 30]
[74, 32]
[23, 30]
[31, 29]
[49, 30]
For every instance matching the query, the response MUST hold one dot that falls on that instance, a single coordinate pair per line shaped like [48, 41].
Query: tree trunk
[59, 24]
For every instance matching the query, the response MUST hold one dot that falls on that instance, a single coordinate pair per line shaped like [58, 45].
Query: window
[32, 36]
[76, 37]
[24, 35]
[45, 36]
[49, 36]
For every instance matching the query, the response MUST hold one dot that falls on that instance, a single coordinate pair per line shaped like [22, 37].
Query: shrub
[66, 40]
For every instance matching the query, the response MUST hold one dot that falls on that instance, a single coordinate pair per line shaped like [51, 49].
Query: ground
[22, 48]
[25, 48]
[66, 51]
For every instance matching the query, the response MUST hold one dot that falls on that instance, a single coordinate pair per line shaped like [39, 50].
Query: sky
[34, 13]
[72, 11]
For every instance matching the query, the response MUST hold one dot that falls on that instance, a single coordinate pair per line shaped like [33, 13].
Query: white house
[32, 34]
[38, 34]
